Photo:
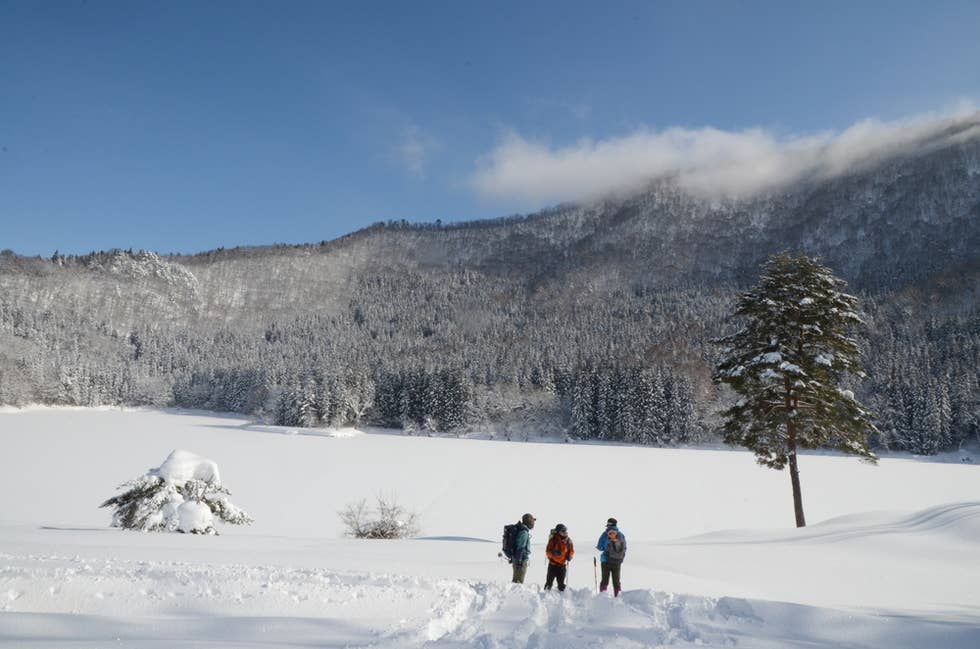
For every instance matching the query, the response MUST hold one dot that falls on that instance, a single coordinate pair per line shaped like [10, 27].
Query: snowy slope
[713, 556]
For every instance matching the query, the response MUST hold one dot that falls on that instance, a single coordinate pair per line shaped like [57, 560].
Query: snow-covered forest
[593, 322]
[628, 366]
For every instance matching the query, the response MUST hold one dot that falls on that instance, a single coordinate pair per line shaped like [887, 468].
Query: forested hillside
[591, 321]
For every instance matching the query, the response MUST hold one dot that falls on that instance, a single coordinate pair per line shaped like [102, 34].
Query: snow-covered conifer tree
[184, 494]
[601, 401]
[582, 411]
[682, 414]
[657, 408]
[307, 414]
[787, 364]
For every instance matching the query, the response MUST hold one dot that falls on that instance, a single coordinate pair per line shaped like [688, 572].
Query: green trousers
[520, 571]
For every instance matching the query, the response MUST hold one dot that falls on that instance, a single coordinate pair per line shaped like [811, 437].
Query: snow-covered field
[889, 559]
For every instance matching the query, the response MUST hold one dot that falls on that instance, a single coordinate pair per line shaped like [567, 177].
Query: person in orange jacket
[560, 551]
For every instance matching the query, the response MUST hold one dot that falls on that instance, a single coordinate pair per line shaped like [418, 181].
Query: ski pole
[595, 573]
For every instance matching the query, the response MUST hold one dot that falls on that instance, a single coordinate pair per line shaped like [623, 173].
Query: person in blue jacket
[522, 548]
[612, 544]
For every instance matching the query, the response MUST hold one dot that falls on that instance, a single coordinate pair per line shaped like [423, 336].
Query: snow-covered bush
[184, 494]
[389, 520]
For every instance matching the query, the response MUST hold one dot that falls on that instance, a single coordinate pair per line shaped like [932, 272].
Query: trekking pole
[595, 573]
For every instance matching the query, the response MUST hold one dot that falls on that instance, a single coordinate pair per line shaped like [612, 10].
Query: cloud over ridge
[706, 162]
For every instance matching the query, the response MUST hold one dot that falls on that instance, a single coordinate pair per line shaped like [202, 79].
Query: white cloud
[414, 150]
[706, 162]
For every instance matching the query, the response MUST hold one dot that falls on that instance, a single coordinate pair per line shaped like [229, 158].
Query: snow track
[79, 600]
[137, 588]
[505, 615]
[60, 601]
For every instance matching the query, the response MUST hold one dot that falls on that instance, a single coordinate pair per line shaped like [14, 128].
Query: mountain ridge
[567, 228]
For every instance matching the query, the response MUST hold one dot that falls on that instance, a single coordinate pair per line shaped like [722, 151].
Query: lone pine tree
[787, 364]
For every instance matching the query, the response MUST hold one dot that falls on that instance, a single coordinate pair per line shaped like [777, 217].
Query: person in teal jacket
[612, 544]
[522, 548]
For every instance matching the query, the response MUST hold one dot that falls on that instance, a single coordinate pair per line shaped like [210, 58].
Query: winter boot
[617, 591]
[602, 589]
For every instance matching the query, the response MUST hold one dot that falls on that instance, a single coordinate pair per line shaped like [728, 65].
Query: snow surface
[181, 466]
[890, 560]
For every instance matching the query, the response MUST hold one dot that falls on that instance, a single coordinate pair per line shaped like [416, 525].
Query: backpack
[509, 545]
[562, 545]
[615, 549]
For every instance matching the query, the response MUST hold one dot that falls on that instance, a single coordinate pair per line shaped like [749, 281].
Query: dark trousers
[611, 569]
[555, 572]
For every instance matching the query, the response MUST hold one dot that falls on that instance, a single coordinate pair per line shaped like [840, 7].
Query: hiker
[522, 548]
[560, 551]
[612, 544]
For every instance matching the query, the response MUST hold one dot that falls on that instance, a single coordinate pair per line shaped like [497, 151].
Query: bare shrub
[388, 520]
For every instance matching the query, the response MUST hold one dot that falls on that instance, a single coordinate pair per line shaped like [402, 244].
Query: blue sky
[185, 126]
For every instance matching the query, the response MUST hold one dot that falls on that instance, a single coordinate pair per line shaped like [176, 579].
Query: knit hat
[612, 521]
[560, 527]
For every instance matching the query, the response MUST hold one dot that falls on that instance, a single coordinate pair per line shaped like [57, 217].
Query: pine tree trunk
[794, 476]
[794, 469]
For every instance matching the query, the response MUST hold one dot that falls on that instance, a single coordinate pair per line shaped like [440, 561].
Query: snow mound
[479, 614]
[960, 521]
[194, 517]
[181, 466]
[955, 521]
[344, 432]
